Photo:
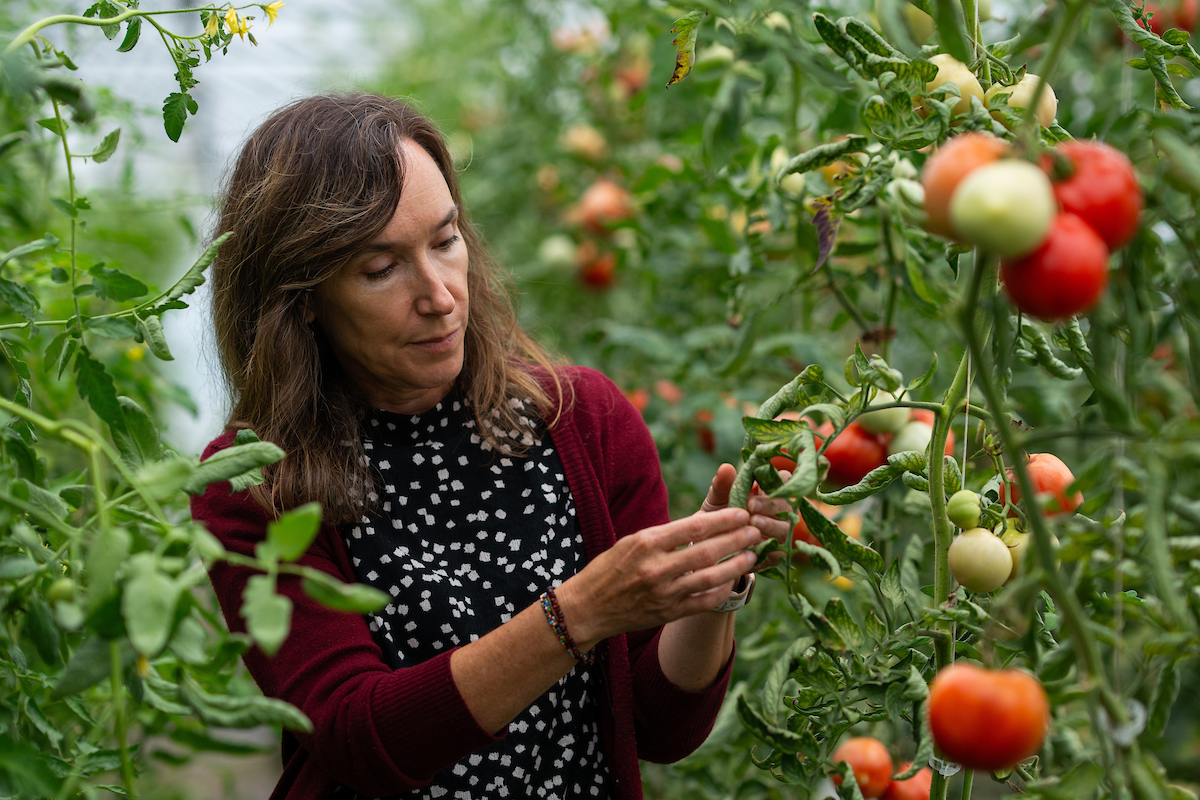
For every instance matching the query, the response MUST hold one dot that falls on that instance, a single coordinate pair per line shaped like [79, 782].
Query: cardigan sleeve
[376, 730]
[670, 722]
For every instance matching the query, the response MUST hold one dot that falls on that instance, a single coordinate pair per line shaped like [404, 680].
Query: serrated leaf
[293, 532]
[231, 463]
[114, 284]
[111, 327]
[107, 146]
[926, 378]
[47, 242]
[765, 730]
[65, 207]
[352, 597]
[96, 386]
[105, 556]
[686, 30]
[139, 443]
[772, 430]
[191, 279]
[19, 299]
[825, 154]
[1166, 690]
[175, 112]
[847, 628]
[90, 664]
[155, 337]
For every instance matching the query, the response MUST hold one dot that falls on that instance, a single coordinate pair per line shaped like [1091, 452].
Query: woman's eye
[447, 244]
[380, 274]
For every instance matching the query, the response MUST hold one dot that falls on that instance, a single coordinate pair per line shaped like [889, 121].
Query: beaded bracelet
[554, 616]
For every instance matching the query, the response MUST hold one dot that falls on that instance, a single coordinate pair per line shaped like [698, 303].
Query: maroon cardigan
[382, 731]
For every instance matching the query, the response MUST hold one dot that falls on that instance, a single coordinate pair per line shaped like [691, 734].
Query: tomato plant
[914, 788]
[987, 719]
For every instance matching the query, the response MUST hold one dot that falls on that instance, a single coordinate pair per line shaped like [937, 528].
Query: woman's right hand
[652, 577]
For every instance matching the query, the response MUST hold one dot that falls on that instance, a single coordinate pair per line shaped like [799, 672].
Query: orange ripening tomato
[871, 763]
[704, 432]
[597, 269]
[987, 719]
[640, 399]
[1050, 476]
[947, 167]
[915, 788]
[602, 204]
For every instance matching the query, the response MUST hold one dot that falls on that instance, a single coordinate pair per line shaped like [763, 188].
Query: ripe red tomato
[914, 788]
[1182, 15]
[946, 168]
[596, 269]
[640, 399]
[1103, 190]
[987, 719]
[1063, 277]
[853, 454]
[871, 763]
[1187, 15]
[1050, 476]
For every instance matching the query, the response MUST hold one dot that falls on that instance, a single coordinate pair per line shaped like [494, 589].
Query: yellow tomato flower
[210, 29]
[237, 23]
[272, 11]
[135, 353]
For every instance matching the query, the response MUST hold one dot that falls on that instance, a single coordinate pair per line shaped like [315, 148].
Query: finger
[715, 577]
[699, 527]
[772, 528]
[706, 553]
[718, 492]
[768, 506]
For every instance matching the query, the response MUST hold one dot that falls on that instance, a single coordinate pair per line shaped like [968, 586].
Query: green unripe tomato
[979, 560]
[557, 250]
[963, 509]
[62, 589]
[1006, 207]
[888, 420]
[714, 57]
[915, 435]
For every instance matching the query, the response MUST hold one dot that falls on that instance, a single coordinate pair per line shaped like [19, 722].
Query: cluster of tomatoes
[1053, 225]
[872, 765]
[983, 561]
[980, 718]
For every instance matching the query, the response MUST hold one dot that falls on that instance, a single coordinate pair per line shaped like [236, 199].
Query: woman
[549, 624]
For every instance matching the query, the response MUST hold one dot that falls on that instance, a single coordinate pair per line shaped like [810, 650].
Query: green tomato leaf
[111, 327]
[113, 284]
[139, 443]
[353, 597]
[91, 663]
[19, 299]
[133, 31]
[148, 605]
[107, 146]
[47, 242]
[155, 338]
[96, 386]
[233, 463]
[293, 532]
[268, 615]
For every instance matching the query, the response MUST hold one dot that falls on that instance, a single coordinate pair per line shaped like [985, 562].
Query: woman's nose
[435, 297]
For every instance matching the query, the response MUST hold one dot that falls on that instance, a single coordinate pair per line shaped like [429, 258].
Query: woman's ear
[310, 313]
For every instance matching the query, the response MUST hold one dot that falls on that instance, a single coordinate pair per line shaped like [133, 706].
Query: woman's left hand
[763, 509]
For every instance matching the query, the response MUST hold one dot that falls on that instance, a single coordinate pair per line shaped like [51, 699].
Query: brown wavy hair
[314, 184]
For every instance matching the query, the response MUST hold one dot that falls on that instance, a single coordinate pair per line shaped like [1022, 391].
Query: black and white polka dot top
[462, 539]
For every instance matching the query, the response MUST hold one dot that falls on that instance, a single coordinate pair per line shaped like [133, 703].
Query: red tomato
[853, 454]
[782, 463]
[914, 788]
[1050, 476]
[871, 764]
[987, 719]
[947, 167]
[640, 399]
[1187, 15]
[1063, 277]
[597, 269]
[1103, 190]
[1182, 16]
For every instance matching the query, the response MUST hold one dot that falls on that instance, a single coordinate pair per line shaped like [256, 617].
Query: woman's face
[396, 316]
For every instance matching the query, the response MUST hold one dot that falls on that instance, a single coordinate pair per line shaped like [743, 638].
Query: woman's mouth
[439, 345]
